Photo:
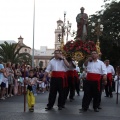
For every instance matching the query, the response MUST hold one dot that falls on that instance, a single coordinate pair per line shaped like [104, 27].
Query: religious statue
[82, 21]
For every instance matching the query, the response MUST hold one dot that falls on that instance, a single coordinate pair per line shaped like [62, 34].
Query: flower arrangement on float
[79, 49]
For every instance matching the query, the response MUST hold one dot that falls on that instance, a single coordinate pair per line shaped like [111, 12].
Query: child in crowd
[31, 89]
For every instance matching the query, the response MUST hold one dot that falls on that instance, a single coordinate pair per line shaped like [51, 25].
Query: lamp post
[33, 34]
[73, 34]
[66, 28]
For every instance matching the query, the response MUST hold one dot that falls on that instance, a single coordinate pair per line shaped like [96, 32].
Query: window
[25, 50]
[59, 37]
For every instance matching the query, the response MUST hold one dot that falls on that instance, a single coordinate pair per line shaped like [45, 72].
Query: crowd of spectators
[12, 79]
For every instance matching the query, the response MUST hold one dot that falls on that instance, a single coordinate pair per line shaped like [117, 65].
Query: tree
[110, 43]
[11, 53]
[110, 39]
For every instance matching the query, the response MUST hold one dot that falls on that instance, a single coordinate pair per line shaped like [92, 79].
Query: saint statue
[82, 21]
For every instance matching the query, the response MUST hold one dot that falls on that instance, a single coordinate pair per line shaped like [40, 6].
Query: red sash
[59, 74]
[109, 77]
[76, 75]
[70, 73]
[94, 77]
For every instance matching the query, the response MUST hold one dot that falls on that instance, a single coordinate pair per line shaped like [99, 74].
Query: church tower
[20, 40]
[58, 34]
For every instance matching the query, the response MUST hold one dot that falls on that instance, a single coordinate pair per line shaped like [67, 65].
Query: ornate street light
[66, 28]
[73, 33]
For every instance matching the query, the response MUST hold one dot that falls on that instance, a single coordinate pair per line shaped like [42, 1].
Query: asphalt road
[13, 109]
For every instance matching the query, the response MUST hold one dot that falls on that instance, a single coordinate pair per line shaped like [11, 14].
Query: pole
[67, 35]
[24, 87]
[117, 90]
[33, 34]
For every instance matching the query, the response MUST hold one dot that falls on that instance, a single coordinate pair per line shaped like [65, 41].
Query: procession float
[80, 47]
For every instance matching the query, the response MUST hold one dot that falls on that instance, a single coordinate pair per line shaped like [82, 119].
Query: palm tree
[11, 53]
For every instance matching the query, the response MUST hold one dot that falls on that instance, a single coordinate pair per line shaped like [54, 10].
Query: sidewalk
[13, 109]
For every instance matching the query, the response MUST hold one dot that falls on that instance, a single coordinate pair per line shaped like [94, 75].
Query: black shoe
[99, 108]
[59, 108]
[48, 108]
[63, 106]
[82, 110]
[106, 96]
[111, 96]
[96, 110]
[31, 109]
[70, 100]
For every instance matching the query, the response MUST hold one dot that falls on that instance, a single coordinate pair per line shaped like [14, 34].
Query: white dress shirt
[56, 65]
[97, 67]
[110, 69]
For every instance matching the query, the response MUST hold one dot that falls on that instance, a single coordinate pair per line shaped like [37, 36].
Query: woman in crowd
[17, 75]
[10, 73]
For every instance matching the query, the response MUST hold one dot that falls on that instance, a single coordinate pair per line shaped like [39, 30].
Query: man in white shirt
[94, 70]
[110, 73]
[58, 68]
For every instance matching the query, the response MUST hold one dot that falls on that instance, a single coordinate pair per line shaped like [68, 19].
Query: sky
[16, 18]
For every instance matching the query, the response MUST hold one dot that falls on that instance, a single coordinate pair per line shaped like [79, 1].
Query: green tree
[110, 43]
[110, 39]
[11, 53]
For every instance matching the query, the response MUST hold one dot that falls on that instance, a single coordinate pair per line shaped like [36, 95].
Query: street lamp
[66, 28]
[73, 33]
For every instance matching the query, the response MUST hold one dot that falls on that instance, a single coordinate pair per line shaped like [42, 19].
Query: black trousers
[108, 88]
[84, 80]
[90, 91]
[100, 93]
[56, 86]
[65, 92]
[71, 88]
[77, 85]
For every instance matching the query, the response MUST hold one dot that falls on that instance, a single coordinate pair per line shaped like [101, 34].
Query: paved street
[13, 109]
